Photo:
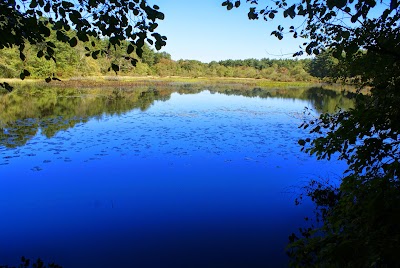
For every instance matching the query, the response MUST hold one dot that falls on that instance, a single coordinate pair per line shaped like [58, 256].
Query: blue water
[200, 180]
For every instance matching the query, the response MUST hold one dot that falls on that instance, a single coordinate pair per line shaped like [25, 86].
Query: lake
[182, 176]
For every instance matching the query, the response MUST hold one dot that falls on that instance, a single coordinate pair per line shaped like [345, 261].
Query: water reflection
[25, 112]
[133, 180]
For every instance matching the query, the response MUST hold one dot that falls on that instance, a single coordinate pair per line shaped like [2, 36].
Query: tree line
[77, 61]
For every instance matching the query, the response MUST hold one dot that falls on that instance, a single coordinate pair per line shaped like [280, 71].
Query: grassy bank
[115, 81]
[124, 82]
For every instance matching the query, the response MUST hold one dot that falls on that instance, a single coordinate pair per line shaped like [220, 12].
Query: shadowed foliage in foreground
[357, 219]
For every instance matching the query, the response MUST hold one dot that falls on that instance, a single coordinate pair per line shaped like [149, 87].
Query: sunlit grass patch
[124, 82]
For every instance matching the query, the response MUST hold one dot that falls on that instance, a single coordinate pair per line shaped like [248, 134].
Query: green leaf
[6, 86]
[346, 34]
[160, 16]
[134, 62]
[82, 36]
[302, 142]
[330, 3]
[95, 54]
[73, 42]
[50, 51]
[22, 56]
[340, 3]
[33, 4]
[139, 52]
[61, 36]
[51, 44]
[115, 67]
[371, 3]
[291, 11]
[47, 7]
[66, 4]
[252, 15]
[130, 49]
[153, 26]
[394, 4]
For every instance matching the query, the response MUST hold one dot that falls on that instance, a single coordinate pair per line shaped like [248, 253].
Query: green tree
[166, 67]
[323, 65]
[158, 56]
[31, 22]
[359, 217]
[9, 64]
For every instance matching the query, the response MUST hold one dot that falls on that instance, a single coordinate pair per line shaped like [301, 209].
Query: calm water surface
[154, 178]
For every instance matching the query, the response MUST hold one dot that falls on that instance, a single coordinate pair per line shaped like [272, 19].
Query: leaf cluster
[31, 22]
[359, 227]
[26, 263]
[341, 25]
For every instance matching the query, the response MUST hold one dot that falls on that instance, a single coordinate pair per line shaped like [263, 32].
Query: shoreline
[139, 81]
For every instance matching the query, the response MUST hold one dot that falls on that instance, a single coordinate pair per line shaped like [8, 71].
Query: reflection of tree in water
[18, 133]
[147, 98]
[328, 101]
[24, 112]
[323, 100]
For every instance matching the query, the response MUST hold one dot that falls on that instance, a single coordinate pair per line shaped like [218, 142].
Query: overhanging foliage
[31, 22]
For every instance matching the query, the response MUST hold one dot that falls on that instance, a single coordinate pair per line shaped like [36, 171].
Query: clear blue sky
[204, 30]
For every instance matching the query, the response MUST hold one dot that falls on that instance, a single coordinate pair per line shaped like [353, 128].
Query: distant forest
[79, 61]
